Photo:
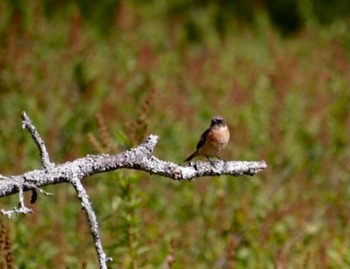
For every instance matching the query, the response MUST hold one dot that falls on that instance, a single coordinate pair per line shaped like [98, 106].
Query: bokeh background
[99, 76]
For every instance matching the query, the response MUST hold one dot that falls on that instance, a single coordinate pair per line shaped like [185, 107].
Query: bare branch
[20, 182]
[27, 124]
[16, 210]
[90, 214]
[21, 209]
[139, 158]
[33, 187]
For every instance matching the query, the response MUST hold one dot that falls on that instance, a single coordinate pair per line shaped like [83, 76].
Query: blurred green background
[100, 76]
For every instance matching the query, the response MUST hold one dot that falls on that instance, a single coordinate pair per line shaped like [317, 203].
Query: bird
[213, 140]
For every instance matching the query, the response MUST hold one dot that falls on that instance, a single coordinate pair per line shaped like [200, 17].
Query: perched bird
[213, 140]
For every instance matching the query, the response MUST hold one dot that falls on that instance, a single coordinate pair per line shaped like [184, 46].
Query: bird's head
[218, 121]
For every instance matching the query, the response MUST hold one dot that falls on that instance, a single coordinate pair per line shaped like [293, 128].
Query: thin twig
[20, 183]
[27, 124]
[16, 210]
[90, 214]
[21, 209]
[32, 186]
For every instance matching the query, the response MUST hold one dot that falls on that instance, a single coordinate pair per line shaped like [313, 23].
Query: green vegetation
[101, 78]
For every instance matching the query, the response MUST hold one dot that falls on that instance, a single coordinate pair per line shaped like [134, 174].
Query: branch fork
[73, 172]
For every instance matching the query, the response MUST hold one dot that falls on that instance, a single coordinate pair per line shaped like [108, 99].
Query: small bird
[213, 140]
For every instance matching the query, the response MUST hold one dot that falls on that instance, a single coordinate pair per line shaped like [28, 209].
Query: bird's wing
[203, 139]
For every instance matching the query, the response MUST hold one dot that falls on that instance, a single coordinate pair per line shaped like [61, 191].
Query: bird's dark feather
[203, 138]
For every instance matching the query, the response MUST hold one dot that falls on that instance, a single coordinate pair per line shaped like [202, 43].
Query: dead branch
[139, 158]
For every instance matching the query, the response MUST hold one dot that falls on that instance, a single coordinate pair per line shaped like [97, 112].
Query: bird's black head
[219, 121]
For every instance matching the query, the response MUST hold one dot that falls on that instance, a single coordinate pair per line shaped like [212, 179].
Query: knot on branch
[135, 157]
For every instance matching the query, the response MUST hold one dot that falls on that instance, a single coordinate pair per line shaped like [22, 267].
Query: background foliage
[100, 76]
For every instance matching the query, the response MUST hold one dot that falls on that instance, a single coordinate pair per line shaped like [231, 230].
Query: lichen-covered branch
[139, 158]
[91, 216]
[44, 155]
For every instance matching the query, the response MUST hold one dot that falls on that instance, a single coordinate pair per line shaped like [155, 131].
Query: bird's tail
[194, 154]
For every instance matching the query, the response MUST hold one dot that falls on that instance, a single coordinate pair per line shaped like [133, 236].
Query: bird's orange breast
[216, 140]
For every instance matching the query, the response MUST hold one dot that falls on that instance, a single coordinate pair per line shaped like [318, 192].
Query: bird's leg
[220, 158]
[211, 162]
